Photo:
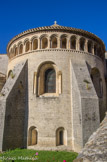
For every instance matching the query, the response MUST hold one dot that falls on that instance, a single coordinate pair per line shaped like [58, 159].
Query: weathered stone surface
[85, 102]
[56, 148]
[3, 63]
[13, 107]
[95, 149]
[2, 80]
[3, 69]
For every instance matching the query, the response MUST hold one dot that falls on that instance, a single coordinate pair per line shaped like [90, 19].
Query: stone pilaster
[39, 43]
[68, 43]
[86, 46]
[58, 42]
[49, 43]
[24, 46]
[92, 48]
[34, 82]
[30, 46]
[77, 43]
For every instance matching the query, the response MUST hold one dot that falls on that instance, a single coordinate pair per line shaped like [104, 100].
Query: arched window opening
[54, 42]
[99, 53]
[73, 42]
[63, 42]
[33, 136]
[10, 73]
[95, 49]
[16, 51]
[27, 46]
[11, 53]
[35, 44]
[50, 81]
[89, 46]
[44, 43]
[61, 136]
[82, 44]
[97, 81]
[45, 81]
[21, 49]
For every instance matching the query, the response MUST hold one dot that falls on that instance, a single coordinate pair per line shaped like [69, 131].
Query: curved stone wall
[77, 59]
[61, 58]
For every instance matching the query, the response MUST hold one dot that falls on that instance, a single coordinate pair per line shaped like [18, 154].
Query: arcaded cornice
[56, 27]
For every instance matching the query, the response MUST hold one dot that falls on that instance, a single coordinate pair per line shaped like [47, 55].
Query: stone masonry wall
[2, 81]
[3, 63]
[3, 69]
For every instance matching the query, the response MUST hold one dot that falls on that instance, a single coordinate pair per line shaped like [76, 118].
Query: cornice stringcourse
[67, 50]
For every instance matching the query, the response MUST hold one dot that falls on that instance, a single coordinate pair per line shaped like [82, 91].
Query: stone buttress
[85, 104]
[13, 107]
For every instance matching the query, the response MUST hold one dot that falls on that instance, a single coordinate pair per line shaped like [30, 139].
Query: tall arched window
[89, 46]
[50, 81]
[44, 43]
[61, 136]
[95, 49]
[35, 44]
[82, 44]
[53, 42]
[99, 53]
[21, 49]
[63, 42]
[45, 81]
[73, 42]
[27, 46]
[16, 51]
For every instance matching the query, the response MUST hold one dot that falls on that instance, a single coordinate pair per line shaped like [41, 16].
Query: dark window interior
[61, 137]
[50, 81]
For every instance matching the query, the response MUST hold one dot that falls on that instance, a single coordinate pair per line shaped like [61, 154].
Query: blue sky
[17, 16]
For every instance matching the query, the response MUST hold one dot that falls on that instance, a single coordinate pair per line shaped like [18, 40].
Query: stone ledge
[56, 148]
[65, 50]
